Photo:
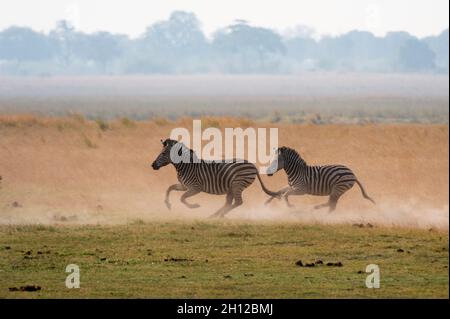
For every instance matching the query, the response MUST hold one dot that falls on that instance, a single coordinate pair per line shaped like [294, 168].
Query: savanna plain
[77, 187]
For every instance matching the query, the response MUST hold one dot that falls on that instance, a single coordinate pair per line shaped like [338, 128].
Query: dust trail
[390, 215]
[406, 215]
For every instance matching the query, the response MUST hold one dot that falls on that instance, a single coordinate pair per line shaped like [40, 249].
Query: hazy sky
[419, 17]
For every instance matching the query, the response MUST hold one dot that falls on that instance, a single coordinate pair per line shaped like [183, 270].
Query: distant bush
[19, 120]
[275, 117]
[245, 122]
[87, 141]
[127, 122]
[160, 121]
[77, 117]
[102, 124]
[210, 122]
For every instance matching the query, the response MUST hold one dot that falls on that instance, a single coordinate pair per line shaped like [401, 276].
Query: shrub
[160, 121]
[127, 122]
[102, 124]
[88, 142]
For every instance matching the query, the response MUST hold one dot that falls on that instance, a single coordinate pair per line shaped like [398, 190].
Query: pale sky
[332, 17]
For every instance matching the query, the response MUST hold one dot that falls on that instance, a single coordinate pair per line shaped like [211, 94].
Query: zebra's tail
[363, 191]
[268, 192]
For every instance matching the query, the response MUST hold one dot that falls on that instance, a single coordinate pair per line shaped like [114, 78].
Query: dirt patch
[29, 288]
[299, 263]
[177, 259]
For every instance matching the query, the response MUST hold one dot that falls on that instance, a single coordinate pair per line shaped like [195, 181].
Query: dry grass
[88, 142]
[125, 121]
[211, 122]
[22, 120]
[160, 121]
[50, 172]
[102, 124]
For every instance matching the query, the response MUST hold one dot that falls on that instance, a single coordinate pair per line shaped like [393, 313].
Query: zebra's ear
[162, 142]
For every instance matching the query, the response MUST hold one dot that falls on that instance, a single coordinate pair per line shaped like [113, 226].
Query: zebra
[332, 180]
[230, 177]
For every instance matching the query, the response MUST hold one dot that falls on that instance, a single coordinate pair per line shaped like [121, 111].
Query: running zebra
[228, 177]
[332, 180]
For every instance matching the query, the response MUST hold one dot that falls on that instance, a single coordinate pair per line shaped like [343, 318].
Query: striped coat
[328, 180]
[230, 177]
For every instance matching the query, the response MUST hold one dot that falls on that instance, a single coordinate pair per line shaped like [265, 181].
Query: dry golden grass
[71, 167]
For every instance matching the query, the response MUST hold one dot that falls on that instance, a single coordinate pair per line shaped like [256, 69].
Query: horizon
[420, 20]
[287, 34]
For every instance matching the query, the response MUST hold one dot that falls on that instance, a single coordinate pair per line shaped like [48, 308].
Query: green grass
[222, 259]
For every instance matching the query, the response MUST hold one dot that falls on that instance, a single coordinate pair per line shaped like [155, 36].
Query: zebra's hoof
[194, 206]
[168, 205]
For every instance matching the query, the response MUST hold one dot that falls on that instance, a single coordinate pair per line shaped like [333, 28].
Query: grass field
[222, 260]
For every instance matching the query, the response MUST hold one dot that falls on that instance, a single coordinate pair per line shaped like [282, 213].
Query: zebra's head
[173, 152]
[277, 161]
[285, 158]
[163, 158]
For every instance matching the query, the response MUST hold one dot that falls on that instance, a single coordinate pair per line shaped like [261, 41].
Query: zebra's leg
[187, 194]
[286, 199]
[332, 202]
[289, 193]
[334, 197]
[237, 195]
[269, 200]
[336, 193]
[237, 202]
[227, 204]
[174, 187]
[281, 191]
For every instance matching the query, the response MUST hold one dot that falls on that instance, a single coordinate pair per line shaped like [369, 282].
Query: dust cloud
[60, 172]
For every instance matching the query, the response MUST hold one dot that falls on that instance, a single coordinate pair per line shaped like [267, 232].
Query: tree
[440, 46]
[174, 45]
[416, 56]
[99, 48]
[248, 49]
[24, 44]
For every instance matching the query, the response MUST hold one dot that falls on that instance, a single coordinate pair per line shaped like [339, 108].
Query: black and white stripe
[228, 177]
[328, 180]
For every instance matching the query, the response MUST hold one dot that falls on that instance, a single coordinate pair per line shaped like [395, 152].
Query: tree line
[178, 46]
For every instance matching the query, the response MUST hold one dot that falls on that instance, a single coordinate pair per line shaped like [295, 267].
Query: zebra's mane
[292, 154]
[183, 146]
